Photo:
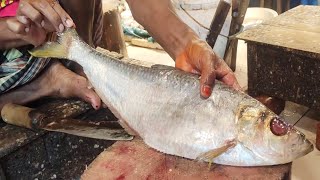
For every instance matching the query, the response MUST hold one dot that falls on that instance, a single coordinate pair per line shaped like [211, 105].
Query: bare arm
[163, 24]
[189, 52]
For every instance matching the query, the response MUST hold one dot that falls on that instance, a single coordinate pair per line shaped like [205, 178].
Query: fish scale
[163, 106]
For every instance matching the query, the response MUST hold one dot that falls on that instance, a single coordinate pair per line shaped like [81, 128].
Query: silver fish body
[163, 106]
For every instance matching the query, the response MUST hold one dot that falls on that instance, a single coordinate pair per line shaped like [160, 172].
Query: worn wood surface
[25, 154]
[134, 160]
[113, 37]
[283, 74]
[284, 57]
[297, 29]
[13, 137]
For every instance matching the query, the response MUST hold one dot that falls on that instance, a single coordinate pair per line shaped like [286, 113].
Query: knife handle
[21, 116]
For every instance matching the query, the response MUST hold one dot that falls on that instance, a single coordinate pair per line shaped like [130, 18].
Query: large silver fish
[163, 106]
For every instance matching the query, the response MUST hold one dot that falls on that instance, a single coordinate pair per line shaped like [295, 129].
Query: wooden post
[217, 22]
[261, 3]
[287, 5]
[279, 6]
[113, 37]
[268, 4]
[238, 15]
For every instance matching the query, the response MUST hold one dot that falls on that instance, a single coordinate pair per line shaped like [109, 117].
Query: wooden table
[284, 57]
[135, 160]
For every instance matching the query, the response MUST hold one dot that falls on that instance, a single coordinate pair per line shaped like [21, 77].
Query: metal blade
[107, 130]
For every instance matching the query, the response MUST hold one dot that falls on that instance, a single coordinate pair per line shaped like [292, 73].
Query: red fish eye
[278, 127]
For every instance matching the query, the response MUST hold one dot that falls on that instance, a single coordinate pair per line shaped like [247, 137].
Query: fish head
[268, 136]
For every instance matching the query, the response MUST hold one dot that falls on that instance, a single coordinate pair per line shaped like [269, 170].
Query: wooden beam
[217, 22]
[279, 6]
[238, 15]
[287, 5]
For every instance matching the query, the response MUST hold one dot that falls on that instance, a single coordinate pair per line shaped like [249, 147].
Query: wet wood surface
[135, 160]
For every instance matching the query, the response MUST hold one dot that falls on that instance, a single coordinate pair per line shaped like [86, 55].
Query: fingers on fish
[212, 154]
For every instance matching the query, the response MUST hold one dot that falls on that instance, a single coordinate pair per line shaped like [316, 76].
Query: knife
[34, 119]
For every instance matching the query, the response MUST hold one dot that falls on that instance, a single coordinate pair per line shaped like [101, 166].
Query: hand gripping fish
[163, 106]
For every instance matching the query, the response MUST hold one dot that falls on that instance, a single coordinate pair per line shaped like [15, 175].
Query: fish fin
[212, 154]
[58, 49]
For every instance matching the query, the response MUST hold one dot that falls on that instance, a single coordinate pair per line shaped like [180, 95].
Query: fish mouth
[309, 148]
[303, 142]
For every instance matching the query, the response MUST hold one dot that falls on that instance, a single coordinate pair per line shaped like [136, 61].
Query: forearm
[163, 24]
[9, 39]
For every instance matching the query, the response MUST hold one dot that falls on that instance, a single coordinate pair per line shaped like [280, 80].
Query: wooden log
[218, 21]
[113, 37]
[135, 160]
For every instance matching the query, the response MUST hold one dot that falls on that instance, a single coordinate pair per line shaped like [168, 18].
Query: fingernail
[27, 29]
[207, 90]
[69, 22]
[61, 27]
[42, 23]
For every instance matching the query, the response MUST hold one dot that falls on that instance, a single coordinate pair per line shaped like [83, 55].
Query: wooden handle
[20, 116]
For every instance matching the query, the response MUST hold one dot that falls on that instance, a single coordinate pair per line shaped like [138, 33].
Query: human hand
[47, 14]
[31, 35]
[199, 58]
[35, 18]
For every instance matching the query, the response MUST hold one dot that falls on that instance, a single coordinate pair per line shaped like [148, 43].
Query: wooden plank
[303, 18]
[134, 160]
[297, 29]
[284, 37]
[145, 43]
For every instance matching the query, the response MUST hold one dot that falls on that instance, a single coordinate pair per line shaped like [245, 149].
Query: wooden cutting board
[136, 161]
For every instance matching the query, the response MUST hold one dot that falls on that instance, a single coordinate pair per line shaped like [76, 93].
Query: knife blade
[33, 119]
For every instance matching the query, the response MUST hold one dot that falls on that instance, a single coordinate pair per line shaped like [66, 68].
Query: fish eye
[278, 127]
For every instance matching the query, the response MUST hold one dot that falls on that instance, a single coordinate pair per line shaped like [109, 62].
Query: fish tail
[59, 49]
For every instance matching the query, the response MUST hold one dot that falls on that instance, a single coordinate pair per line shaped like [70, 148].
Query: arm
[162, 23]
[189, 52]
